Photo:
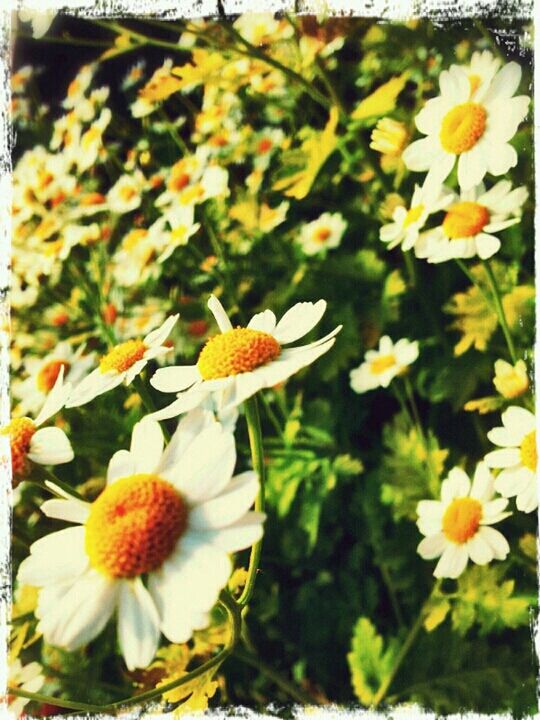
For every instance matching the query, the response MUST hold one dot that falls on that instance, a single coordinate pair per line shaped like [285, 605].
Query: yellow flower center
[123, 356]
[236, 351]
[381, 364]
[529, 456]
[20, 432]
[322, 234]
[462, 519]
[412, 215]
[48, 374]
[462, 127]
[127, 192]
[465, 219]
[134, 525]
[474, 82]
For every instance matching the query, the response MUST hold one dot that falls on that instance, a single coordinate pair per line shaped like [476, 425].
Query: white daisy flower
[122, 364]
[241, 361]
[28, 677]
[43, 373]
[125, 194]
[381, 366]
[322, 234]
[171, 516]
[407, 223]
[475, 131]
[458, 526]
[46, 446]
[517, 457]
[481, 70]
[470, 221]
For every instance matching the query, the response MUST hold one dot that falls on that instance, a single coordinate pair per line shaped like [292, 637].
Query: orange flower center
[462, 127]
[462, 519]
[134, 525]
[236, 351]
[48, 374]
[413, 214]
[20, 432]
[382, 363]
[264, 146]
[465, 219]
[123, 356]
[528, 451]
[322, 234]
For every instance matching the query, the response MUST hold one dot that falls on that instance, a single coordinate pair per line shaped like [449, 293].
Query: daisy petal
[496, 541]
[122, 464]
[453, 562]
[217, 310]
[70, 510]
[298, 321]
[175, 378]
[146, 445]
[157, 337]
[503, 458]
[432, 546]
[55, 558]
[479, 550]
[238, 536]
[263, 321]
[50, 446]
[138, 624]
[227, 507]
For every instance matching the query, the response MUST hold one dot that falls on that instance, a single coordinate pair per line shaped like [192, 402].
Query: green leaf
[369, 661]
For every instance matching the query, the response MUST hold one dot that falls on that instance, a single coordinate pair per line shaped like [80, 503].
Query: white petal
[138, 624]
[503, 458]
[135, 369]
[50, 446]
[506, 437]
[55, 400]
[263, 321]
[175, 378]
[471, 167]
[513, 481]
[429, 119]
[146, 445]
[81, 613]
[93, 385]
[527, 500]
[453, 561]
[207, 465]
[502, 159]
[238, 536]
[479, 550]
[298, 321]
[493, 511]
[158, 336]
[432, 546]
[504, 84]
[421, 154]
[185, 402]
[440, 168]
[55, 558]
[506, 115]
[496, 541]
[519, 418]
[121, 465]
[456, 485]
[189, 427]
[483, 482]
[70, 510]
[217, 310]
[227, 507]
[487, 245]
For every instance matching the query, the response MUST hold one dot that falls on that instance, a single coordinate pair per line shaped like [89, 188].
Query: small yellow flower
[511, 381]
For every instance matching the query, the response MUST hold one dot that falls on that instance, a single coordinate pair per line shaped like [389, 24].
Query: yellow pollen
[236, 351]
[475, 82]
[461, 519]
[322, 234]
[48, 374]
[127, 193]
[465, 219]
[413, 214]
[20, 432]
[528, 451]
[462, 127]
[123, 356]
[382, 363]
[134, 525]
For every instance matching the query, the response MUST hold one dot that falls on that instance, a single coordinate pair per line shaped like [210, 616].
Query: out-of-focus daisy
[322, 234]
[511, 381]
[407, 223]
[29, 678]
[389, 137]
[262, 28]
[470, 221]
[86, 153]
[79, 85]
[43, 373]
[170, 516]
[481, 70]
[458, 526]
[474, 131]
[381, 366]
[134, 75]
[40, 20]
[241, 361]
[517, 457]
[122, 364]
[125, 194]
[45, 446]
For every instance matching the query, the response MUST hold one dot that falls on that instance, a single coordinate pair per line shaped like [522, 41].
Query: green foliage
[370, 660]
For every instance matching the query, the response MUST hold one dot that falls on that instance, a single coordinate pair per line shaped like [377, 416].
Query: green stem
[59, 702]
[51, 477]
[408, 643]
[272, 417]
[257, 455]
[294, 692]
[500, 310]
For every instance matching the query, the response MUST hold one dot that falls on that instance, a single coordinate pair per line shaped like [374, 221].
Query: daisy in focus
[475, 131]
[457, 528]
[45, 446]
[322, 234]
[171, 516]
[381, 366]
[470, 221]
[122, 364]
[241, 361]
[407, 223]
[43, 373]
[517, 457]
